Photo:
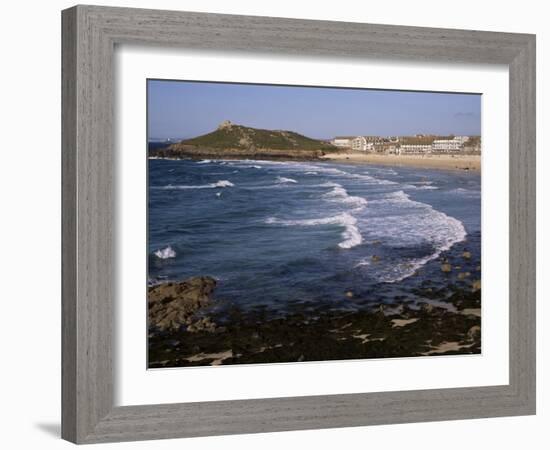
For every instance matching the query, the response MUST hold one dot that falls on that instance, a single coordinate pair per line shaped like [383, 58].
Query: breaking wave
[352, 236]
[340, 195]
[421, 187]
[402, 222]
[165, 253]
[371, 180]
[286, 180]
[217, 184]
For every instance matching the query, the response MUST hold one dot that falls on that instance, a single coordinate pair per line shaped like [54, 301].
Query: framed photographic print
[254, 212]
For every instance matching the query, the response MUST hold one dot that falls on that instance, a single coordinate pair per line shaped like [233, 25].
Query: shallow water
[281, 234]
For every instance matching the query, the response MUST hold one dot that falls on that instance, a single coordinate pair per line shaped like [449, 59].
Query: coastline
[447, 162]
[179, 337]
[417, 294]
[442, 162]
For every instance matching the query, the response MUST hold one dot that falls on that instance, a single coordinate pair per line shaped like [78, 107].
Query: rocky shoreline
[445, 162]
[182, 333]
[182, 151]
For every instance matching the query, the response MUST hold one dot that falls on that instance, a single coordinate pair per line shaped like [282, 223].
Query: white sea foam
[286, 180]
[165, 253]
[217, 184]
[245, 164]
[417, 224]
[371, 180]
[386, 171]
[422, 187]
[301, 167]
[351, 234]
[167, 158]
[204, 161]
[223, 183]
[340, 195]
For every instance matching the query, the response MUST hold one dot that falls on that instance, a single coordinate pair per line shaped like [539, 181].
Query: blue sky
[182, 109]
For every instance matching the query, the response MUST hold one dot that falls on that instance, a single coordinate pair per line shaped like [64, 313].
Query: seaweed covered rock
[171, 305]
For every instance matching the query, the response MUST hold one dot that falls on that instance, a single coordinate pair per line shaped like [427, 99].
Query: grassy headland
[237, 141]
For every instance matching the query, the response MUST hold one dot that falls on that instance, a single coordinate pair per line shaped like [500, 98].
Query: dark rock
[463, 298]
[426, 308]
[204, 324]
[474, 333]
[171, 305]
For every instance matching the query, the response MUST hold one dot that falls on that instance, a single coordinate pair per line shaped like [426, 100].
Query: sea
[277, 235]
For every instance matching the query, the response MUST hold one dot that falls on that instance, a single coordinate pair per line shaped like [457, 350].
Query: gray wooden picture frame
[90, 34]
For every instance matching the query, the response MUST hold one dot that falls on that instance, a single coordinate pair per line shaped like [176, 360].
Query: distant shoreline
[448, 162]
[443, 162]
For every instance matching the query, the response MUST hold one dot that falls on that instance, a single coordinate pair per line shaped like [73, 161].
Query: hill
[232, 140]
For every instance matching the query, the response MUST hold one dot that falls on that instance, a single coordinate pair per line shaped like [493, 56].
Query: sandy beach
[451, 162]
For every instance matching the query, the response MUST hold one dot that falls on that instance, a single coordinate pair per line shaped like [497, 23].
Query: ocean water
[280, 234]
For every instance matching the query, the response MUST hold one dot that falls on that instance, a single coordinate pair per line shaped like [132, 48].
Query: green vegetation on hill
[232, 136]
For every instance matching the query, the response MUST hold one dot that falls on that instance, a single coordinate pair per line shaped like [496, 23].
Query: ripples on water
[281, 233]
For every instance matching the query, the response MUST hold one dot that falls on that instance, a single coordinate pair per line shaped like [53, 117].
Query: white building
[462, 139]
[391, 149]
[359, 143]
[342, 141]
[362, 143]
[374, 139]
[447, 145]
[415, 149]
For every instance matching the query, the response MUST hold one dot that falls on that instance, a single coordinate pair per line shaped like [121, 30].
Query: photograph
[290, 224]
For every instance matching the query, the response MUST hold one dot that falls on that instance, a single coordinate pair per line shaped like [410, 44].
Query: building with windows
[385, 148]
[462, 139]
[342, 141]
[359, 143]
[447, 145]
[414, 149]
[373, 139]
[362, 143]
[391, 149]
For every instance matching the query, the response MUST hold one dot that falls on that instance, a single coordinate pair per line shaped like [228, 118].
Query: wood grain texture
[68, 224]
[89, 37]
